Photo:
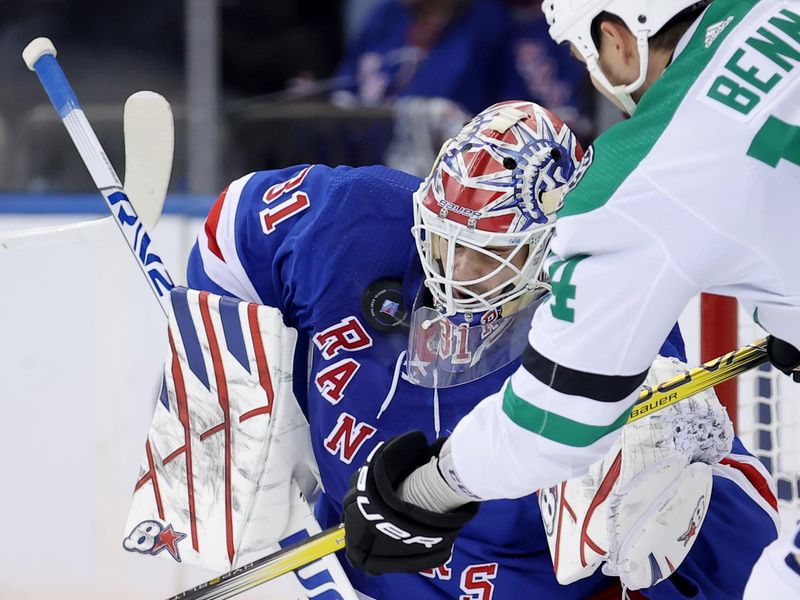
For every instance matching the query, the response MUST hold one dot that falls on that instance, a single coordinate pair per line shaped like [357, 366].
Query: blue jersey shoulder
[362, 233]
[251, 221]
[308, 237]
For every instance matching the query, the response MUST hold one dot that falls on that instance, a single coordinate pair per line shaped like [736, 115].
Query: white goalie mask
[571, 21]
[494, 189]
[490, 199]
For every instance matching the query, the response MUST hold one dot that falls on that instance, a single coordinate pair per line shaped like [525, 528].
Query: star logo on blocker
[689, 533]
[169, 538]
[694, 523]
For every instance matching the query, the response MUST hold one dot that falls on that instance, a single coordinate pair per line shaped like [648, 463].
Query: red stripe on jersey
[563, 504]
[175, 454]
[755, 478]
[671, 566]
[215, 429]
[262, 410]
[212, 221]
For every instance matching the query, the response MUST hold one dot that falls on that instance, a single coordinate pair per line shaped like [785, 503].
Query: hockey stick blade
[268, 568]
[307, 551]
[40, 56]
[149, 146]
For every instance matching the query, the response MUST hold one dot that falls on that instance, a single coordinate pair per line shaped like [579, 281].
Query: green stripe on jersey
[555, 427]
[618, 151]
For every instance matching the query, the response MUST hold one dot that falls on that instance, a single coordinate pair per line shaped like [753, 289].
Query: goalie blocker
[639, 510]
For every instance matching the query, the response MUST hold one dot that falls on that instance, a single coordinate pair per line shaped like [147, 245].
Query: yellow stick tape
[696, 380]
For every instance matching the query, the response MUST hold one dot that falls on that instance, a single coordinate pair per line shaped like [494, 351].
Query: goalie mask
[483, 222]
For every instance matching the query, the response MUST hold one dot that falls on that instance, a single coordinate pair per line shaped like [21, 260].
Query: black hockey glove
[387, 535]
[784, 357]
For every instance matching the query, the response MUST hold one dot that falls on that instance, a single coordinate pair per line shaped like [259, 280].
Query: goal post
[718, 335]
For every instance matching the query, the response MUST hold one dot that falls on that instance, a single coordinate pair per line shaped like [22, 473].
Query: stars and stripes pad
[228, 366]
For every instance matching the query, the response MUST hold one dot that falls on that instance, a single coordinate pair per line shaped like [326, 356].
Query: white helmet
[571, 21]
[497, 183]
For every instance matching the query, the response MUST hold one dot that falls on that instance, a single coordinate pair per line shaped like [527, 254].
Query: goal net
[768, 415]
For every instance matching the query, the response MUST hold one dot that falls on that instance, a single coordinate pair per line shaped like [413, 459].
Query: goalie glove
[784, 357]
[639, 510]
[386, 534]
[697, 427]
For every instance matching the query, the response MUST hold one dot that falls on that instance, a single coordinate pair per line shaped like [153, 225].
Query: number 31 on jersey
[279, 207]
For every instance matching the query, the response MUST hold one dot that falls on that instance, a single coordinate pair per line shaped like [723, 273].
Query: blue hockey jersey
[312, 241]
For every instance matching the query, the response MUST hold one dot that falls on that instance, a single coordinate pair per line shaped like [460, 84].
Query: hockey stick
[269, 567]
[149, 143]
[40, 56]
[149, 146]
[332, 539]
[701, 378]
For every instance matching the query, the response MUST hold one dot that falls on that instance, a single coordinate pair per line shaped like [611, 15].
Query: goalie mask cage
[763, 403]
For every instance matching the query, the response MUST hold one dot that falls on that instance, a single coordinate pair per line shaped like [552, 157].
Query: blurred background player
[284, 69]
[453, 49]
[438, 62]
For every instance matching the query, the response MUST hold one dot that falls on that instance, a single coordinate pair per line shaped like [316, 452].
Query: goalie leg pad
[227, 439]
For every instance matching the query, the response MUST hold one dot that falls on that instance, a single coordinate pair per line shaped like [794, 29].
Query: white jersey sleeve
[696, 192]
[776, 574]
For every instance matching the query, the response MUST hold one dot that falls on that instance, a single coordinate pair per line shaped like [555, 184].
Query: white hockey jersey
[698, 191]
[777, 572]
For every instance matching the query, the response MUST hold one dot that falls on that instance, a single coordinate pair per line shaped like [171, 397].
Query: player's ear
[618, 44]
